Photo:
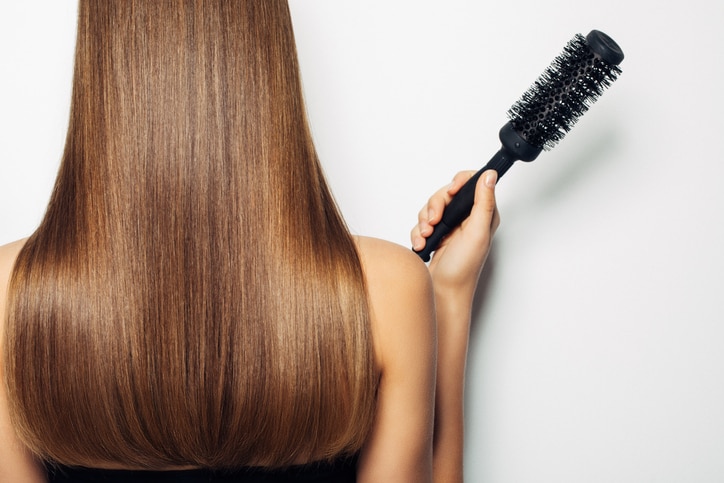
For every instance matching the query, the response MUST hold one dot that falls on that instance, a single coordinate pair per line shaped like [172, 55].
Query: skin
[454, 270]
[16, 463]
[420, 329]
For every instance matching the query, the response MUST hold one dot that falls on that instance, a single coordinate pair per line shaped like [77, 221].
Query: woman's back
[192, 295]
[403, 335]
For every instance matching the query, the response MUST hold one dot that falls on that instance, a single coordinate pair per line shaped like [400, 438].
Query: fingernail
[490, 178]
[430, 214]
[419, 243]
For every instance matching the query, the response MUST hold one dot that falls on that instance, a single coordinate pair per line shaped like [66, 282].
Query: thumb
[482, 215]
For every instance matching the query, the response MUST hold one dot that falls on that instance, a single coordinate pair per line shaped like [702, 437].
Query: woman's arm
[17, 465]
[455, 269]
[16, 462]
[399, 448]
[421, 321]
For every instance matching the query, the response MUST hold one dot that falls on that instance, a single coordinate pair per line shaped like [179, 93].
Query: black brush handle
[514, 148]
[462, 203]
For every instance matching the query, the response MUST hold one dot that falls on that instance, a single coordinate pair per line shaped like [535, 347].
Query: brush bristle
[562, 94]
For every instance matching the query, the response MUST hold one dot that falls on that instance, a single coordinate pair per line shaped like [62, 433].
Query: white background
[596, 353]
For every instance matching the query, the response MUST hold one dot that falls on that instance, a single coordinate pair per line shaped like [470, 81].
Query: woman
[192, 305]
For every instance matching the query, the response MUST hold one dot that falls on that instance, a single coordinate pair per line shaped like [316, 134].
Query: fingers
[459, 180]
[431, 213]
[484, 217]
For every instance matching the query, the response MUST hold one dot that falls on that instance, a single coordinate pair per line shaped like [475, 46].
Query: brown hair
[192, 295]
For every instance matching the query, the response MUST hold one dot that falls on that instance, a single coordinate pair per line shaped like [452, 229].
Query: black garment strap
[338, 471]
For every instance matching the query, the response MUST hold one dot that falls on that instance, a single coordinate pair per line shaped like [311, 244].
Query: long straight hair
[192, 295]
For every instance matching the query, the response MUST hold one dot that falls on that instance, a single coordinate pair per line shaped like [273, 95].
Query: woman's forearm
[452, 344]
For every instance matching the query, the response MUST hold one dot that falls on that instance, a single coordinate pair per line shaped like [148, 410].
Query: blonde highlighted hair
[192, 295]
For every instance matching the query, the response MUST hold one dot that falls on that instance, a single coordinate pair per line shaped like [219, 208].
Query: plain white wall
[596, 349]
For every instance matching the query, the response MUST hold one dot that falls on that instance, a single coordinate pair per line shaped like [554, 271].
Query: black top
[339, 471]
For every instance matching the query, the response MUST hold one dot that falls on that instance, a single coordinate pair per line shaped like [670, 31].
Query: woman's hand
[456, 264]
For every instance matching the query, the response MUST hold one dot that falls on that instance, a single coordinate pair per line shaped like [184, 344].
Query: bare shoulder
[8, 254]
[386, 261]
[16, 463]
[400, 295]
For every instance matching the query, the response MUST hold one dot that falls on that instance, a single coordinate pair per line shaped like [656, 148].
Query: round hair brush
[542, 117]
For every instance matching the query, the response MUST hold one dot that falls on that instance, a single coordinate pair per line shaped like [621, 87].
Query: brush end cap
[605, 47]
[516, 145]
